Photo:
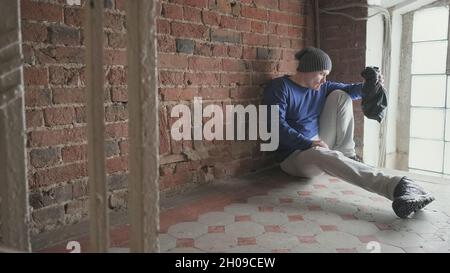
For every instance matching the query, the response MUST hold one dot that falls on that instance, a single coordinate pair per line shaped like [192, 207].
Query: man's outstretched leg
[407, 197]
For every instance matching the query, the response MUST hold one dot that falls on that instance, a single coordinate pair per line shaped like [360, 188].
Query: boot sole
[406, 205]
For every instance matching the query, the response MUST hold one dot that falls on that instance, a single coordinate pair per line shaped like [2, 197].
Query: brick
[228, 22]
[234, 51]
[34, 32]
[214, 93]
[166, 44]
[192, 3]
[115, 57]
[170, 78]
[287, 66]
[117, 76]
[220, 35]
[268, 4]
[50, 55]
[173, 61]
[34, 118]
[116, 130]
[38, 11]
[202, 78]
[28, 54]
[119, 94]
[55, 175]
[117, 112]
[69, 95]
[258, 27]
[64, 35]
[219, 50]
[114, 21]
[189, 30]
[80, 114]
[74, 153]
[172, 11]
[111, 148]
[249, 53]
[235, 78]
[279, 17]
[244, 24]
[290, 6]
[176, 94]
[37, 97]
[73, 17]
[59, 116]
[254, 13]
[117, 164]
[264, 66]
[35, 75]
[203, 49]
[204, 64]
[40, 158]
[244, 93]
[192, 14]
[55, 137]
[211, 18]
[79, 189]
[118, 181]
[162, 26]
[235, 65]
[117, 40]
[255, 39]
[63, 76]
[185, 46]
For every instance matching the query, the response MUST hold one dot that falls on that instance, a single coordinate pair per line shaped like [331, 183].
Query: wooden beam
[98, 208]
[143, 126]
[14, 213]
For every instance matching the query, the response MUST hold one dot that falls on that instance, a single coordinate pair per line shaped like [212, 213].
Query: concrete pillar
[13, 168]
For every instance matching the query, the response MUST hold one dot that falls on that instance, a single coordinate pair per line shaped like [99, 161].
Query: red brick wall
[221, 50]
[345, 41]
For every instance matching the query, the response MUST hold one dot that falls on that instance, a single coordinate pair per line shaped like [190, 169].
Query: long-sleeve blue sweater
[299, 110]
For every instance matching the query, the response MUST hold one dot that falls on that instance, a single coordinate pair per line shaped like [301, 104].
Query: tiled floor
[273, 212]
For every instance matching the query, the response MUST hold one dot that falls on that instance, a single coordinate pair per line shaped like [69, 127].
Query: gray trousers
[336, 128]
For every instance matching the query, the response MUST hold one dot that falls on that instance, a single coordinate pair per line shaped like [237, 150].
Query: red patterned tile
[382, 226]
[368, 238]
[304, 193]
[346, 250]
[246, 241]
[265, 209]
[319, 186]
[307, 239]
[347, 192]
[281, 250]
[334, 180]
[185, 242]
[242, 218]
[286, 200]
[314, 207]
[329, 228]
[348, 217]
[216, 229]
[332, 200]
[295, 218]
[273, 228]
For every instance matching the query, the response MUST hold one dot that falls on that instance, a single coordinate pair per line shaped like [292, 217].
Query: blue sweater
[300, 109]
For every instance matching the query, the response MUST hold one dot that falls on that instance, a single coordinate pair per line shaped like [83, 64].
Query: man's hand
[320, 143]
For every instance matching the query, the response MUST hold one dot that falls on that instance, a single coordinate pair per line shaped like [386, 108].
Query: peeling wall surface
[13, 183]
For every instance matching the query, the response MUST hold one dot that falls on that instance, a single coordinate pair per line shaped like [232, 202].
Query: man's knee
[341, 97]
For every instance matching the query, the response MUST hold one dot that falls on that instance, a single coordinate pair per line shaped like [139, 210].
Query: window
[429, 142]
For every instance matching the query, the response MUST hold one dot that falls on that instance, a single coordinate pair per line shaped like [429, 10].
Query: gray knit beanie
[312, 59]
